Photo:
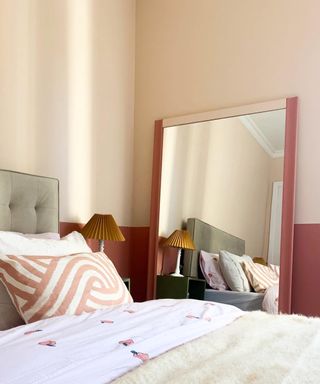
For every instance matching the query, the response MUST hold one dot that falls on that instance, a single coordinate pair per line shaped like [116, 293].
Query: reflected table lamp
[102, 227]
[179, 239]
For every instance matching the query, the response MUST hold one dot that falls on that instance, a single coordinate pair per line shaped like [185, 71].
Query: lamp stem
[177, 271]
[101, 245]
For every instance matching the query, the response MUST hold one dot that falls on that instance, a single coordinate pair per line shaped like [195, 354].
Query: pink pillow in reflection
[275, 269]
[209, 264]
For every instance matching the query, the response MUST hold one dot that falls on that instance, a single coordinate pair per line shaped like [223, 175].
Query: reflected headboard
[209, 239]
[28, 203]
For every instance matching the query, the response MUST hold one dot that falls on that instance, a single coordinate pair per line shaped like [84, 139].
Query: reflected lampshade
[179, 239]
[102, 227]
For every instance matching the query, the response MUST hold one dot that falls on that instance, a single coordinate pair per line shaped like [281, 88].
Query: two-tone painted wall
[193, 56]
[67, 71]
[81, 83]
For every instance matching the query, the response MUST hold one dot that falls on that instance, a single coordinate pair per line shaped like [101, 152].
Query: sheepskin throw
[255, 349]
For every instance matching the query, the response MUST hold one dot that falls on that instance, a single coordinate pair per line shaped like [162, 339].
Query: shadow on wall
[67, 86]
[184, 151]
[59, 73]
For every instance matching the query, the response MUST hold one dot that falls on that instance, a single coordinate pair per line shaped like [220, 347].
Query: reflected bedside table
[180, 287]
[126, 281]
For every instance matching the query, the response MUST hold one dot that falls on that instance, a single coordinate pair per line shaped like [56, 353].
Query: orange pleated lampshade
[179, 239]
[102, 227]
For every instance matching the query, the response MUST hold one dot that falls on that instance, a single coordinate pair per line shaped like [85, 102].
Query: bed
[159, 341]
[211, 239]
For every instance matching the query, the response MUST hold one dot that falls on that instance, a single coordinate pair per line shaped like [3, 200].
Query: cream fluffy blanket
[257, 348]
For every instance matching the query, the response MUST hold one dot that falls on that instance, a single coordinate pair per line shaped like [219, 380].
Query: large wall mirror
[228, 178]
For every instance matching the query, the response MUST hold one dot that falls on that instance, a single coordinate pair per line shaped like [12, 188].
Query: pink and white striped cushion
[260, 276]
[47, 286]
[275, 268]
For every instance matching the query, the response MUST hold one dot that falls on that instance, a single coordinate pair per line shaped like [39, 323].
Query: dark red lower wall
[139, 262]
[306, 270]
[130, 257]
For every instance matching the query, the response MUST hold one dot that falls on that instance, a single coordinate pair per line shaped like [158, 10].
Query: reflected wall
[222, 173]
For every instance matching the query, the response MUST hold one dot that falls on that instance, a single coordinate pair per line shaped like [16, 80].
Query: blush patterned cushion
[209, 264]
[47, 286]
[260, 276]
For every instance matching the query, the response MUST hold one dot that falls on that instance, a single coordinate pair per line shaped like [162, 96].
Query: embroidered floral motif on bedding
[48, 343]
[140, 355]
[34, 331]
[153, 328]
[126, 342]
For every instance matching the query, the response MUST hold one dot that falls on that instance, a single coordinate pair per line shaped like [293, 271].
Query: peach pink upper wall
[193, 56]
[67, 99]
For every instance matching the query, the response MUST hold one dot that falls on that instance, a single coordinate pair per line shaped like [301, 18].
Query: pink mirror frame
[288, 204]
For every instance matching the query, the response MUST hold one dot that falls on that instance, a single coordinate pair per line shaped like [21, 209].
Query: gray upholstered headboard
[209, 239]
[28, 203]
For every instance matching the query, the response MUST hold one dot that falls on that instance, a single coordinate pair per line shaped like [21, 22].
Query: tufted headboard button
[28, 203]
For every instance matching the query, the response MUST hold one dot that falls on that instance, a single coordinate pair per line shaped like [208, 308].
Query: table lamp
[179, 239]
[102, 227]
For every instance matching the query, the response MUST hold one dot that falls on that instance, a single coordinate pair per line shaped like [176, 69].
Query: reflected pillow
[232, 271]
[209, 264]
[270, 301]
[275, 268]
[260, 276]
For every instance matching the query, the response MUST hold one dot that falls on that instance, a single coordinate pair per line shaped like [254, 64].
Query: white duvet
[101, 346]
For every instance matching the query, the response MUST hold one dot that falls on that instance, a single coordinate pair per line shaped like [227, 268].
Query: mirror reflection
[222, 180]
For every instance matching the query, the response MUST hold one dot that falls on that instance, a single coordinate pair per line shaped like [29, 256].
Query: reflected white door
[275, 224]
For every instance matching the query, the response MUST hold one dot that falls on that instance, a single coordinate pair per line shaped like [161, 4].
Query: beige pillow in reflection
[260, 276]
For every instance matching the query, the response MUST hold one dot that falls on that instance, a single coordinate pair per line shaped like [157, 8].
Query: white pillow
[15, 244]
[45, 235]
[232, 271]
